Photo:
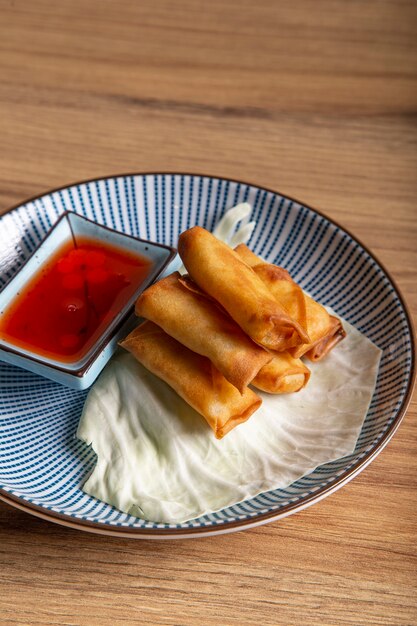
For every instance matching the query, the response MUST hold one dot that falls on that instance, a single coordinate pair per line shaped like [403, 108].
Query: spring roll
[193, 377]
[334, 334]
[196, 321]
[283, 374]
[219, 271]
[324, 330]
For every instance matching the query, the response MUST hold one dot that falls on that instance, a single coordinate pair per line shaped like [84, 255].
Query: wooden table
[314, 99]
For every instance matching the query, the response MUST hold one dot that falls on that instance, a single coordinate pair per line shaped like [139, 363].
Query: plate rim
[262, 518]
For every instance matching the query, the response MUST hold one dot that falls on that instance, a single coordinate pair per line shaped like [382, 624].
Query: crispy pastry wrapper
[324, 330]
[220, 272]
[334, 335]
[185, 313]
[193, 377]
[283, 374]
[279, 284]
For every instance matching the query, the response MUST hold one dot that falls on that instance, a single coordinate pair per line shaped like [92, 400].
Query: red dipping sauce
[67, 305]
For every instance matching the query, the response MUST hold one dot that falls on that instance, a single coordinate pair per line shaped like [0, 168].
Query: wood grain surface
[315, 99]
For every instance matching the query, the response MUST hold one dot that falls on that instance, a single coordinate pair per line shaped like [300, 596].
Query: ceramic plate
[43, 465]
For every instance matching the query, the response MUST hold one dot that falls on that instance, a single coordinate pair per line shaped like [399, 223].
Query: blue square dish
[81, 373]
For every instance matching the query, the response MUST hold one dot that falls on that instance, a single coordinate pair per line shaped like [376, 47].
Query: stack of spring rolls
[234, 321]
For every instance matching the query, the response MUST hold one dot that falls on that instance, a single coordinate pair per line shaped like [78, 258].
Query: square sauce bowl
[63, 313]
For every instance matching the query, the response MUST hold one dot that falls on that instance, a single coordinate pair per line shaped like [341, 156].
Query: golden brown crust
[193, 377]
[324, 330]
[246, 254]
[219, 271]
[283, 374]
[280, 284]
[186, 313]
[285, 291]
[323, 346]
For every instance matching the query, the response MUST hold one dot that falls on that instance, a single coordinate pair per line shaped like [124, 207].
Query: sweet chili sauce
[72, 299]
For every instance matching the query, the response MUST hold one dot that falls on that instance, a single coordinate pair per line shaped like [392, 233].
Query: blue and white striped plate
[43, 465]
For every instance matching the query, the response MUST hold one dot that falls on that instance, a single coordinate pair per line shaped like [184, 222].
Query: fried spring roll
[193, 377]
[324, 330]
[283, 374]
[219, 271]
[285, 290]
[323, 346]
[198, 323]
